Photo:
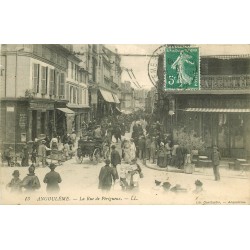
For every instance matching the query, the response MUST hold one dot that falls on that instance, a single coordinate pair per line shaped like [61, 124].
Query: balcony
[225, 82]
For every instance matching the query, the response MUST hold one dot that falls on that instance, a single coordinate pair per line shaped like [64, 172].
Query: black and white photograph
[125, 124]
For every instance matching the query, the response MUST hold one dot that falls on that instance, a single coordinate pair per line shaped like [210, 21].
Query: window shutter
[62, 84]
[35, 78]
[43, 80]
[51, 81]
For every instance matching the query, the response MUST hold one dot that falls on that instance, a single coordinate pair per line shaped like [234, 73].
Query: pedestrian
[73, 138]
[123, 171]
[117, 133]
[134, 172]
[126, 150]
[33, 156]
[115, 160]
[115, 157]
[106, 177]
[132, 149]
[142, 147]
[148, 145]
[54, 143]
[153, 150]
[7, 155]
[15, 183]
[198, 187]
[25, 156]
[52, 179]
[215, 157]
[161, 156]
[31, 182]
[98, 132]
[66, 150]
[42, 153]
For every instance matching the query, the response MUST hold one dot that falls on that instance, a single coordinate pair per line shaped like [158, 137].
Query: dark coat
[106, 176]
[115, 157]
[52, 179]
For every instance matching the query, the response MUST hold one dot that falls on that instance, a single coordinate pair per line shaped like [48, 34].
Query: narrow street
[80, 185]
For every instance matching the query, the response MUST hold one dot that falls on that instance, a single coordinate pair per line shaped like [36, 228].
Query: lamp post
[171, 113]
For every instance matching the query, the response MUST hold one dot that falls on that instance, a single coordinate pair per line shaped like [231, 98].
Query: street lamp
[171, 113]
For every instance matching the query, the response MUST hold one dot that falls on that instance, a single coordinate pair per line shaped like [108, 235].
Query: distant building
[127, 97]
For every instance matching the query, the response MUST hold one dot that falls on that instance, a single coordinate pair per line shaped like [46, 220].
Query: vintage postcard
[84, 124]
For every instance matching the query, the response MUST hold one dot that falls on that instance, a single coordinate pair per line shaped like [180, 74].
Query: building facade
[104, 78]
[220, 111]
[127, 97]
[39, 85]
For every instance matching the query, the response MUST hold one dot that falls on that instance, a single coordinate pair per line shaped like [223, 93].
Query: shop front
[223, 121]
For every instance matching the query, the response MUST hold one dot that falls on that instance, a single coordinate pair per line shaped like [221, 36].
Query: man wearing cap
[15, 183]
[31, 181]
[106, 177]
[52, 179]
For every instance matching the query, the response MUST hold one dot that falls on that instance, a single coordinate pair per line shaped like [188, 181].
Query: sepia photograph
[125, 124]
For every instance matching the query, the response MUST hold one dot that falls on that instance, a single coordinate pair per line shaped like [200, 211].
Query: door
[34, 124]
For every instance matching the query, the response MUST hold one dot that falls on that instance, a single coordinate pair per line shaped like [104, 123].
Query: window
[51, 81]
[35, 77]
[62, 85]
[71, 95]
[80, 96]
[72, 70]
[44, 72]
[56, 83]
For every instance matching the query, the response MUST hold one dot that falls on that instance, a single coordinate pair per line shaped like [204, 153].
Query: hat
[16, 173]
[134, 160]
[52, 166]
[161, 144]
[198, 183]
[43, 141]
[107, 162]
[166, 185]
[10, 148]
[113, 146]
[157, 183]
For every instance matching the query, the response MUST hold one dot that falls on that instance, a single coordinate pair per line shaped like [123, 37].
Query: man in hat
[52, 179]
[31, 181]
[15, 183]
[198, 187]
[106, 177]
[215, 157]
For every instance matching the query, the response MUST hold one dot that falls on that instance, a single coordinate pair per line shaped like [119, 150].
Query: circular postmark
[153, 64]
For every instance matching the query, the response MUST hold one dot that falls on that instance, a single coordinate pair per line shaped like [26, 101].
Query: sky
[139, 64]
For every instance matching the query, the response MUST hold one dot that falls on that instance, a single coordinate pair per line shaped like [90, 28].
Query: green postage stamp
[182, 68]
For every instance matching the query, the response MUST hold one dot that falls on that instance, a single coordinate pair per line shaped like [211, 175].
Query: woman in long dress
[132, 149]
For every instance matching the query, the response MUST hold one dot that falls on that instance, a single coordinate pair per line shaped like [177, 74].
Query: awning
[116, 98]
[210, 110]
[107, 96]
[118, 110]
[66, 110]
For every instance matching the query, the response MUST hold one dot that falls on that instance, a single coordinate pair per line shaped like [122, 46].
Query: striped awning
[210, 110]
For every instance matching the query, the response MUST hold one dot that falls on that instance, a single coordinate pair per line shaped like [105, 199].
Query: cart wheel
[97, 155]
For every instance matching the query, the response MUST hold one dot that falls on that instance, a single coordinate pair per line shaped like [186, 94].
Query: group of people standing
[31, 182]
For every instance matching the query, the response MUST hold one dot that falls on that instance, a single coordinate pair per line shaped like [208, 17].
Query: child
[15, 183]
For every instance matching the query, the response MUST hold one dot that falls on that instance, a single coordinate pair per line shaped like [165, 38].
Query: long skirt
[161, 162]
[127, 156]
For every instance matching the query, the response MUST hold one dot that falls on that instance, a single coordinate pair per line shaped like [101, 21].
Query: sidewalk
[224, 170]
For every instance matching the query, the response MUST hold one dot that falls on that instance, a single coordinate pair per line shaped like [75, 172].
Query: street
[80, 186]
